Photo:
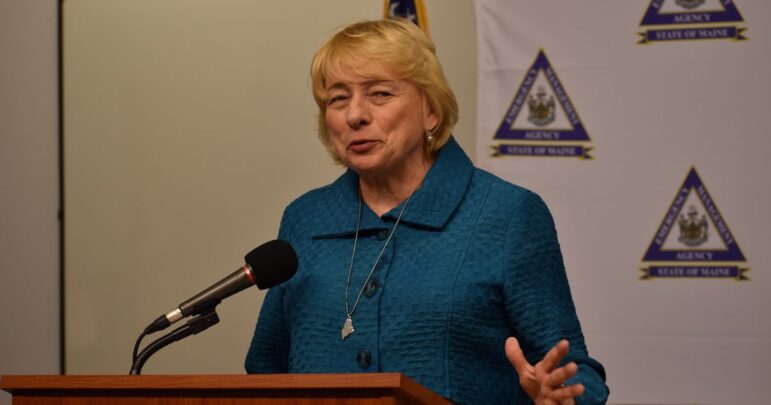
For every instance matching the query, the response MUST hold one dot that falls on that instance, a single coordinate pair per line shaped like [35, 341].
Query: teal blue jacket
[474, 260]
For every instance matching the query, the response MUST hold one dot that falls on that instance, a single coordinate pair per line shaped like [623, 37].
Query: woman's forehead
[359, 71]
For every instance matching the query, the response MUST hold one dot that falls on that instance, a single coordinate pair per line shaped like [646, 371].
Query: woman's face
[377, 123]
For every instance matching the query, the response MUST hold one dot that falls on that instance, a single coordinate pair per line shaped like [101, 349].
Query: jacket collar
[430, 207]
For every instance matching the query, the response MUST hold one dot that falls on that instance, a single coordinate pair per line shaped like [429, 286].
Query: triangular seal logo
[689, 20]
[676, 12]
[693, 239]
[541, 120]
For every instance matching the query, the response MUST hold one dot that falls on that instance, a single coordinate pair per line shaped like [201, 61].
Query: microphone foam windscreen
[272, 263]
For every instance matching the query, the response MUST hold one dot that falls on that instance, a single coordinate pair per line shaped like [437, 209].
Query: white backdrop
[648, 113]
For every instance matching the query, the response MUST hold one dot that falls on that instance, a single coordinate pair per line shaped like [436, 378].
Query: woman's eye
[380, 95]
[336, 100]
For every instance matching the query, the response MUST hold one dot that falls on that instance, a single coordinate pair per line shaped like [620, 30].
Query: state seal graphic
[541, 120]
[693, 240]
[691, 20]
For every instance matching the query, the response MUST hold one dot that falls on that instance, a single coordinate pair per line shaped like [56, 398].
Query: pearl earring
[430, 135]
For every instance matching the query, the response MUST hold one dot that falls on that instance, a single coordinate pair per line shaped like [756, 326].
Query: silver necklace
[347, 329]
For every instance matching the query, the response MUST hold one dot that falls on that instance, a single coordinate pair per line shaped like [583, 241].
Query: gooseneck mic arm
[194, 326]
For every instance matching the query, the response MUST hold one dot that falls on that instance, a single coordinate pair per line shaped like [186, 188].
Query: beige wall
[189, 125]
[29, 236]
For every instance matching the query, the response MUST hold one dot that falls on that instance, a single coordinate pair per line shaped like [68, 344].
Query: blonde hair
[405, 50]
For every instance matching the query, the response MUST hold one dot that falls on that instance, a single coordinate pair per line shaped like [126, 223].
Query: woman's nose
[358, 114]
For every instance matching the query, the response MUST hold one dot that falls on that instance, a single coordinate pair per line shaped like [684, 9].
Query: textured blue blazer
[474, 260]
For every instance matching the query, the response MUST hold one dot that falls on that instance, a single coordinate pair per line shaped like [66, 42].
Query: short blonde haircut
[403, 49]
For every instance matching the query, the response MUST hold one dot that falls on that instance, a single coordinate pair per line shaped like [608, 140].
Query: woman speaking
[413, 260]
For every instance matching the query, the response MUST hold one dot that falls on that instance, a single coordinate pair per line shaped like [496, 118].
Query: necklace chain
[348, 324]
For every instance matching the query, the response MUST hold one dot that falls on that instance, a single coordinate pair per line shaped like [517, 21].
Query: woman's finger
[567, 392]
[561, 374]
[516, 356]
[554, 356]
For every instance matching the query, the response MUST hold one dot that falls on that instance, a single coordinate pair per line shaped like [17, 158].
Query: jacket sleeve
[269, 350]
[538, 299]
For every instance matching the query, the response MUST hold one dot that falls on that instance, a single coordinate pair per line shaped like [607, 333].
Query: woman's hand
[544, 383]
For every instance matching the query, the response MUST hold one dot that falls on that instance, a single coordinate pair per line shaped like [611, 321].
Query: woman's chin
[365, 164]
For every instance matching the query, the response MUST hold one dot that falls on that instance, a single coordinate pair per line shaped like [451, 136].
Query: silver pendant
[347, 328]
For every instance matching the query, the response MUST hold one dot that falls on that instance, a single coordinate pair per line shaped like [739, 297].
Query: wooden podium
[364, 388]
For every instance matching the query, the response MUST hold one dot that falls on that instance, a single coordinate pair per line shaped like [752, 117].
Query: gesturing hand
[544, 383]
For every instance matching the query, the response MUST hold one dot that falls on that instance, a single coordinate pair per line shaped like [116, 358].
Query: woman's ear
[431, 120]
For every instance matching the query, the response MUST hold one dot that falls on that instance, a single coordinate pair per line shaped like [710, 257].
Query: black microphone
[268, 265]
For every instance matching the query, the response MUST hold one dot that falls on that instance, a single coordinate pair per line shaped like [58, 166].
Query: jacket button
[370, 288]
[382, 235]
[364, 358]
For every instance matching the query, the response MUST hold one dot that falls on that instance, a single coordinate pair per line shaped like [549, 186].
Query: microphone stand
[196, 325]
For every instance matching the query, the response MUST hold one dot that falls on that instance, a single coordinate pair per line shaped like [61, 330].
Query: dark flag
[413, 10]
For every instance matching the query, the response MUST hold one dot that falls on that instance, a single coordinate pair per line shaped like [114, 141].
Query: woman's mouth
[362, 146]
